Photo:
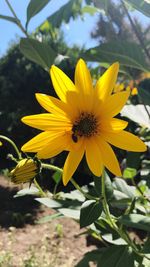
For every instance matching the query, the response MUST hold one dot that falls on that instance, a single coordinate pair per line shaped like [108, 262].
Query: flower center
[85, 125]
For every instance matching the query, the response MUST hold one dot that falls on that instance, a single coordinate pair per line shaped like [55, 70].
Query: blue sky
[76, 32]
[9, 31]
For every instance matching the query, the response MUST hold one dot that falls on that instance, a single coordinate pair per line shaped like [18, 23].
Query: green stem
[15, 16]
[55, 168]
[13, 145]
[111, 221]
[39, 188]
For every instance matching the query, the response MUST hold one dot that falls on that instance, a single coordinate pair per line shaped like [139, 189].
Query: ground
[25, 243]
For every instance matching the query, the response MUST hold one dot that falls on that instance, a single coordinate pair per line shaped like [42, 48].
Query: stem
[112, 223]
[39, 188]
[13, 145]
[15, 16]
[55, 168]
[138, 35]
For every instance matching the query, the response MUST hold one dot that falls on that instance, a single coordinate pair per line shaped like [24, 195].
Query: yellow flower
[1, 143]
[121, 87]
[25, 171]
[82, 122]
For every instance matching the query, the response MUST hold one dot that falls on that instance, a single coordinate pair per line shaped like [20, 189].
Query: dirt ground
[24, 243]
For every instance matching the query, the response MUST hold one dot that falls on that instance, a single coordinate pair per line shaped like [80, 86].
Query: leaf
[146, 248]
[90, 10]
[144, 92]
[11, 19]
[137, 113]
[136, 221]
[70, 10]
[57, 177]
[90, 212]
[38, 52]
[109, 238]
[128, 54]
[50, 203]
[94, 256]
[108, 187]
[34, 7]
[71, 213]
[117, 256]
[141, 5]
[129, 173]
[122, 186]
[49, 218]
[27, 191]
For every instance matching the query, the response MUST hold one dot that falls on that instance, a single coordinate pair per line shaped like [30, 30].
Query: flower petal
[114, 104]
[54, 147]
[83, 83]
[61, 82]
[71, 164]
[107, 81]
[93, 157]
[47, 122]
[39, 141]
[113, 125]
[108, 157]
[125, 141]
[53, 105]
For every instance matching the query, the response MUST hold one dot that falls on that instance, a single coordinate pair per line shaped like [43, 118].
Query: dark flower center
[85, 125]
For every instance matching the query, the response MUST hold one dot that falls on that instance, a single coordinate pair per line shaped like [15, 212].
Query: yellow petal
[125, 141]
[108, 157]
[113, 125]
[48, 122]
[71, 164]
[83, 83]
[61, 82]
[54, 147]
[93, 157]
[107, 81]
[53, 105]
[39, 141]
[113, 105]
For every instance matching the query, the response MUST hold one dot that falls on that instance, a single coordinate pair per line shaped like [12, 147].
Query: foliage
[109, 207]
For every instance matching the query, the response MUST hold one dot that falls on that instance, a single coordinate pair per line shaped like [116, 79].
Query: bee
[74, 138]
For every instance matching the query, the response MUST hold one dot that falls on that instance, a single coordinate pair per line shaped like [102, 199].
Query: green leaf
[57, 177]
[117, 256]
[94, 256]
[49, 218]
[136, 221]
[90, 212]
[90, 10]
[128, 54]
[50, 203]
[144, 92]
[27, 191]
[37, 52]
[122, 186]
[71, 213]
[129, 173]
[70, 10]
[146, 248]
[140, 5]
[34, 7]
[108, 187]
[11, 19]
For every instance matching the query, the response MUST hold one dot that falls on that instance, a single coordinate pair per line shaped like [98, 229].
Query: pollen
[86, 125]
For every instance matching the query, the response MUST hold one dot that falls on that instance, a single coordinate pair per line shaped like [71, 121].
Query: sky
[9, 31]
[76, 32]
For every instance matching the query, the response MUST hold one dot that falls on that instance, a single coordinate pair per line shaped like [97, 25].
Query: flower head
[82, 122]
[25, 171]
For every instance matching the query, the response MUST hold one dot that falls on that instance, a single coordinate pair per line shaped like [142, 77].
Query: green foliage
[34, 7]
[11, 19]
[136, 220]
[144, 92]
[128, 54]
[71, 9]
[90, 212]
[140, 5]
[40, 53]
